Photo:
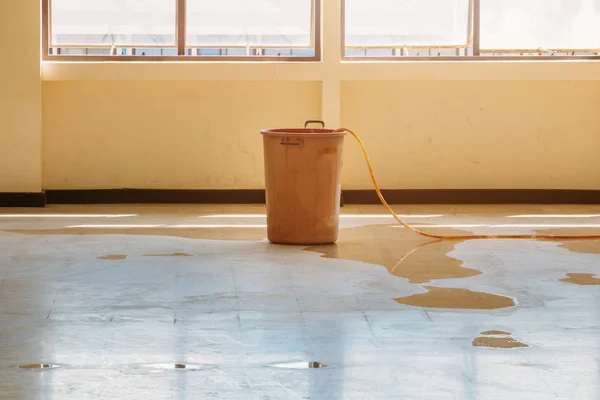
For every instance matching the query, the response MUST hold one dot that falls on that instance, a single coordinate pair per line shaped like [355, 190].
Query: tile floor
[191, 302]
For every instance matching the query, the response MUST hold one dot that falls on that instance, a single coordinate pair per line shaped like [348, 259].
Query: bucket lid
[304, 132]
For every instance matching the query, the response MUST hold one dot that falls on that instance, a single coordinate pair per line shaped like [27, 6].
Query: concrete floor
[190, 302]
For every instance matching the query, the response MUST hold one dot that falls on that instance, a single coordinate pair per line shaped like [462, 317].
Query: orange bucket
[303, 181]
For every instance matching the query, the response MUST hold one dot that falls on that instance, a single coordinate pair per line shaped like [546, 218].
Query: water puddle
[495, 333]
[39, 367]
[575, 245]
[169, 255]
[582, 279]
[581, 246]
[123, 257]
[404, 254]
[300, 365]
[416, 259]
[437, 297]
[113, 257]
[498, 340]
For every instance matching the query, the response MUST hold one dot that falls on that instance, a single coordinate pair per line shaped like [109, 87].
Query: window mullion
[46, 28]
[181, 26]
[476, 27]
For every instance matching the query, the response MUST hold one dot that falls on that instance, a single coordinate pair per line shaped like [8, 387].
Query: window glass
[406, 22]
[540, 24]
[108, 22]
[249, 23]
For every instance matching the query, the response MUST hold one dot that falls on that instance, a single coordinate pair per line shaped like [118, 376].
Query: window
[254, 26]
[540, 27]
[449, 29]
[181, 29]
[289, 30]
[112, 26]
[407, 27]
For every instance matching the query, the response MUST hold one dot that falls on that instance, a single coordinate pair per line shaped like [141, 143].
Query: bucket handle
[314, 122]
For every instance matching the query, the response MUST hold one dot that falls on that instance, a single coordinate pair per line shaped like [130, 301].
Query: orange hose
[450, 237]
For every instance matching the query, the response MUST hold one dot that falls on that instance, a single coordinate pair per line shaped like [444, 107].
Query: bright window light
[540, 24]
[344, 216]
[407, 22]
[67, 215]
[249, 23]
[546, 226]
[121, 226]
[113, 22]
[444, 226]
[261, 226]
[217, 226]
[234, 216]
[555, 216]
[504, 226]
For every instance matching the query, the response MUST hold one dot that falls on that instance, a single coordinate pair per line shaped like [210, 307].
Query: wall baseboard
[257, 196]
[22, 199]
[474, 196]
[155, 196]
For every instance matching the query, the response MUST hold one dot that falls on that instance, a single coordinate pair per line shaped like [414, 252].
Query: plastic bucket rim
[301, 132]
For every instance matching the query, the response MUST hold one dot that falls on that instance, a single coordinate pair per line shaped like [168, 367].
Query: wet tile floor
[191, 302]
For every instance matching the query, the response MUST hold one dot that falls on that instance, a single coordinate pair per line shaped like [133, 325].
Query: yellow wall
[475, 134]
[523, 124]
[166, 135]
[421, 134]
[20, 96]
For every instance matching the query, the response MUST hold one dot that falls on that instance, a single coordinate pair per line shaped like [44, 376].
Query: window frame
[181, 45]
[473, 39]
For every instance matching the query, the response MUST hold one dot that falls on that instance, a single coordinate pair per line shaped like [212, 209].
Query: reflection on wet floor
[220, 233]
[259, 314]
[417, 259]
[113, 257]
[300, 365]
[457, 298]
[498, 340]
[384, 245]
[123, 257]
[38, 366]
[169, 255]
[404, 253]
[161, 367]
[575, 245]
[157, 367]
[582, 279]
